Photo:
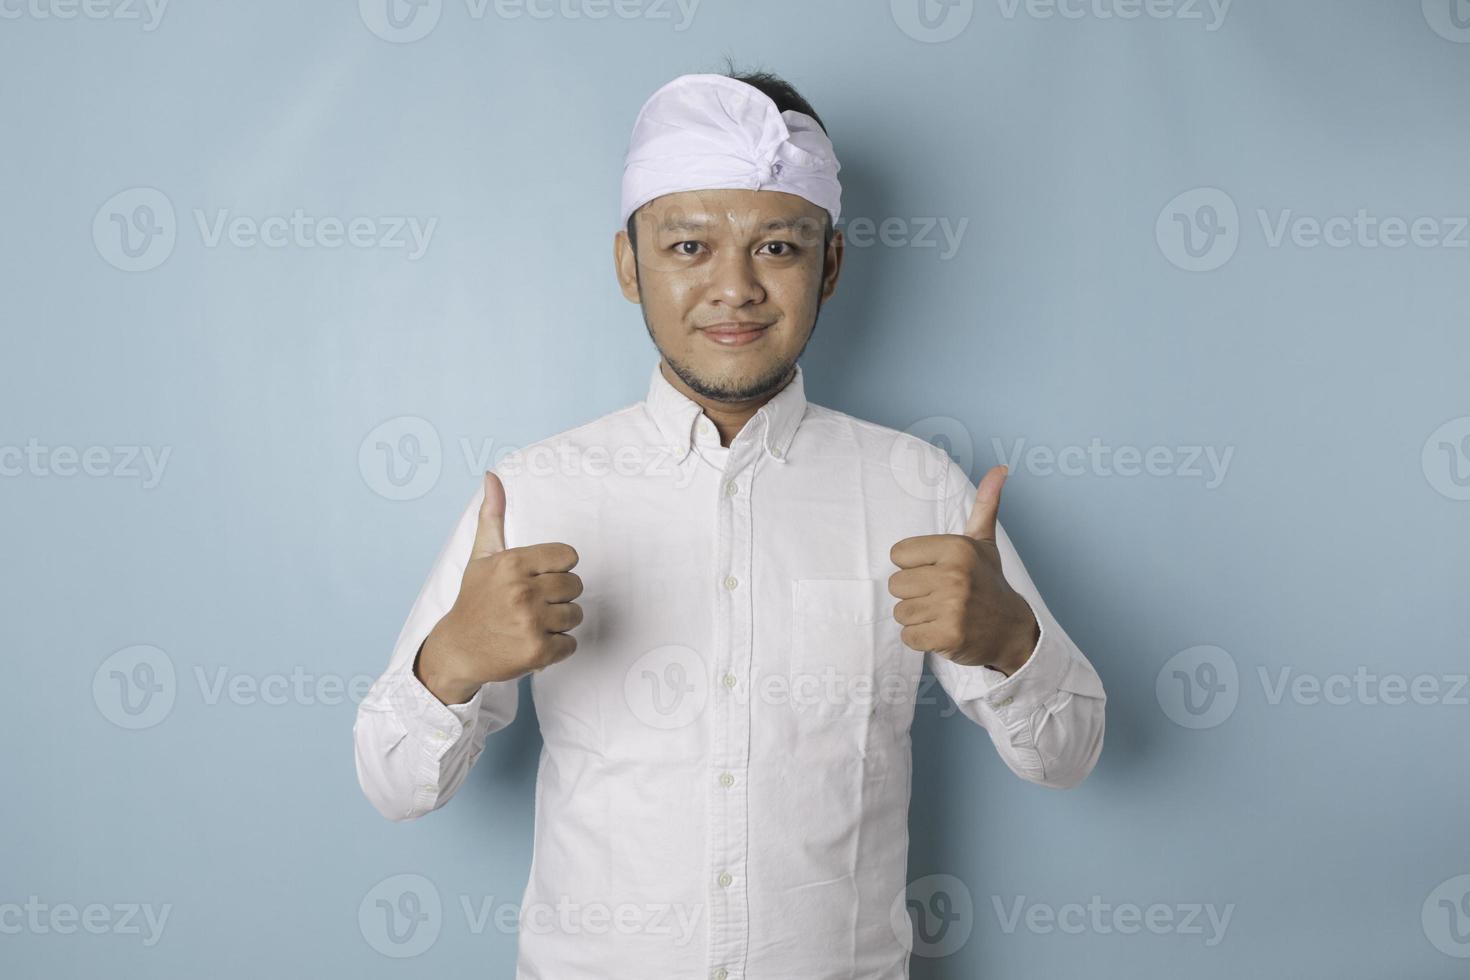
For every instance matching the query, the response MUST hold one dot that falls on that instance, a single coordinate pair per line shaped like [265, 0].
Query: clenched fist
[512, 613]
[954, 599]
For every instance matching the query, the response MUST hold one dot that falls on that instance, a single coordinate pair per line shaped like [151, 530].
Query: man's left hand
[954, 599]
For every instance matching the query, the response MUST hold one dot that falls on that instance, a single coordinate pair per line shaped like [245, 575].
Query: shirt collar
[675, 414]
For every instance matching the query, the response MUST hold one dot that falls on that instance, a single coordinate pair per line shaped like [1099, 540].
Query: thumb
[981, 525]
[490, 532]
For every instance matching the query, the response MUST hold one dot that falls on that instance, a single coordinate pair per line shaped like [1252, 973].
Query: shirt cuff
[1037, 679]
[425, 716]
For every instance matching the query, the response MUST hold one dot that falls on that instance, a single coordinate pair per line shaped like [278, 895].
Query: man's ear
[831, 266]
[625, 266]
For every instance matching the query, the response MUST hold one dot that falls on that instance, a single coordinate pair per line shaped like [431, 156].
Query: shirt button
[731, 489]
[776, 453]
[1006, 700]
[721, 973]
[440, 733]
[725, 878]
[731, 581]
[726, 779]
[729, 680]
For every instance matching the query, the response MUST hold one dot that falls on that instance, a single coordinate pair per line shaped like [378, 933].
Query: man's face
[716, 261]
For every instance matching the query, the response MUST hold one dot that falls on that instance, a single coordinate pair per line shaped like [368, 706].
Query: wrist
[434, 668]
[1018, 651]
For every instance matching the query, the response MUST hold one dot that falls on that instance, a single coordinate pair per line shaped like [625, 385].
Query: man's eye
[783, 249]
[679, 247]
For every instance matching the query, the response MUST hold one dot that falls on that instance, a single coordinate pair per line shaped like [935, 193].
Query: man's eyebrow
[683, 224]
[700, 224]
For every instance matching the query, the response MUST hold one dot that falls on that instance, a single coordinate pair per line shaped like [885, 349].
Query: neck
[729, 417]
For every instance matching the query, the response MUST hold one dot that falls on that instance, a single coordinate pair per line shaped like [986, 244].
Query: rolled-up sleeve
[413, 751]
[1046, 720]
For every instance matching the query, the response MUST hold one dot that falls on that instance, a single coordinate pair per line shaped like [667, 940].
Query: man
[724, 785]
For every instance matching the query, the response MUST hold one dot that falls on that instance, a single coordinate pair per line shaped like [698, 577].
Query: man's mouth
[735, 333]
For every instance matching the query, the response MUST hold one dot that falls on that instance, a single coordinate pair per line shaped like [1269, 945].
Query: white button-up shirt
[723, 787]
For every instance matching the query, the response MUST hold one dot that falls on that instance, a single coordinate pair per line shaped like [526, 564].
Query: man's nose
[735, 280]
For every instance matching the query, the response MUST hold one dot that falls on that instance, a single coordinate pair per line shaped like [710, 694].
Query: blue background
[271, 544]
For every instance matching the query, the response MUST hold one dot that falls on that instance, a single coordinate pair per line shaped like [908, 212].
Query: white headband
[702, 132]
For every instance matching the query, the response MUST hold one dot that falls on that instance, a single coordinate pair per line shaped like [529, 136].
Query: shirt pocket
[834, 641]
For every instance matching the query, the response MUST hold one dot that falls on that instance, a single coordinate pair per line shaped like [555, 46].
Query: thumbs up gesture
[954, 599]
[512, 613]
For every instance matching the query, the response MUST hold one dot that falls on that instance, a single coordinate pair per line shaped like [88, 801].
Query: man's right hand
[513, 610]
